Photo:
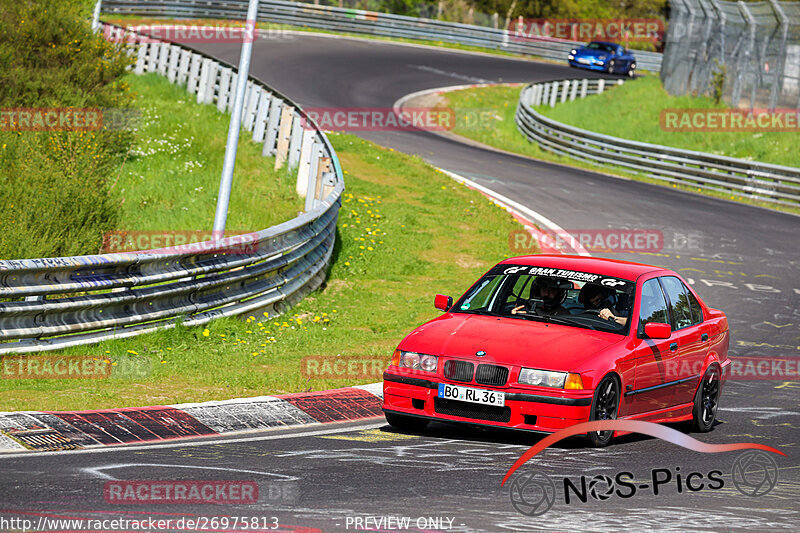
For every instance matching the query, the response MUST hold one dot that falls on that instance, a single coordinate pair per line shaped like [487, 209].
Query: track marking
[97, 471]
[372, 435]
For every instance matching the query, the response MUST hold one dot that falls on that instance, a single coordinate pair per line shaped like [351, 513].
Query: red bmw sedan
[543, 342]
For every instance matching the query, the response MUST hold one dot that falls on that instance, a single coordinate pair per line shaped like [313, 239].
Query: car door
[651, 356]
[690, 333]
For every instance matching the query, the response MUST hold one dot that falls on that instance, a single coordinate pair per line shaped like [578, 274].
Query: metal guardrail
[53, 303]
[363, 22]
[760, 181]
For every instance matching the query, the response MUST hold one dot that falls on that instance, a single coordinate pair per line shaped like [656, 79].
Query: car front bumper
[589, 66]
[523, 410]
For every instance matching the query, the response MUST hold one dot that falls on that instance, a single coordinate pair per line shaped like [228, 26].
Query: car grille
[458, 370]
[491, 375]
[469, 410]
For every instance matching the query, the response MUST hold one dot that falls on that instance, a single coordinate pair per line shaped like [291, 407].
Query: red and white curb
[62, 430]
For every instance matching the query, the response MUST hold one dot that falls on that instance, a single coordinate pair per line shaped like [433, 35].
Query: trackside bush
[56, 186]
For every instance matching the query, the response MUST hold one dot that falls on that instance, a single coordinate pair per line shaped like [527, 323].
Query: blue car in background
[608, 57]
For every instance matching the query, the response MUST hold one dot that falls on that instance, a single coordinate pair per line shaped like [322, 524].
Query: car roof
[594, 265]
[605, 42]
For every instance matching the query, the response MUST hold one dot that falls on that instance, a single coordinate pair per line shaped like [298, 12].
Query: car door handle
[673, 346]
[704, 337]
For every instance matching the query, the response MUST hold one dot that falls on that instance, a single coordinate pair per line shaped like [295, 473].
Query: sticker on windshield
[572, 275]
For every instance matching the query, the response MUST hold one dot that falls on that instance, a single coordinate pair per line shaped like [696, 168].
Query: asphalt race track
[741, 259]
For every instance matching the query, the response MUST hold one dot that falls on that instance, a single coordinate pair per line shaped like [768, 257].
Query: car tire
[406, 423]
[610, 67]
[605, 406]
[706, 400]
[630, 72]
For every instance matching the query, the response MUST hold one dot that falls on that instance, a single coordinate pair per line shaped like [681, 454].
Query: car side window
[653, 307]
[694, 305]
[678, 296]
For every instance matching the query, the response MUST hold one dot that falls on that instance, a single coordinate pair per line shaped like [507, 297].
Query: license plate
[466, 394]
[583, 60]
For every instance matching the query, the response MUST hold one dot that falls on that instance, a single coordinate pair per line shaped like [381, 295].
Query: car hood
[509, 341]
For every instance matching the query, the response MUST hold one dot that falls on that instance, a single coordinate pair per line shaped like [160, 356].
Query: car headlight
[571, 56]
[600, 62]
[547, 378]
[418, 361]
[573, 52]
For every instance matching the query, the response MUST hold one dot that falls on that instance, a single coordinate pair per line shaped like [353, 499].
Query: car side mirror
[657, 330]
[443, 302]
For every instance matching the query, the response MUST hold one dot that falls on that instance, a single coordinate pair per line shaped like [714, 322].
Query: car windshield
[569, 297]
[600, 46]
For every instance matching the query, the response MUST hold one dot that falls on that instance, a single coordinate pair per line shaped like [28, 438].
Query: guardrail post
[96, 15]
[296, 140]
[253, 95]
[211, 82]
[141, 59]
[194, 73]
[553, 94]
[545, 92]
[584, 87]
[601, 85]
[172, 68]
[183, 66]
[224, 89]
[260, 125]
[272, 127]
[163, 58]
[202, 84]
[305, 163]
[234, 81]
[565, 91]
[152, 60]
[574, 90]
[313, 176]
[284, 134]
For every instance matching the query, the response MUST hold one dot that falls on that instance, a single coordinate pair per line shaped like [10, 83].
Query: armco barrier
[760, 181]
[67, 301]
[364, 22]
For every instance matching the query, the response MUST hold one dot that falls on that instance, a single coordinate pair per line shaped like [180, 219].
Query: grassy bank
[631, 111]
[171, 179]
[405, 233]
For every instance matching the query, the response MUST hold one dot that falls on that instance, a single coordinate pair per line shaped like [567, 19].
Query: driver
[552, 292]
[600, 298]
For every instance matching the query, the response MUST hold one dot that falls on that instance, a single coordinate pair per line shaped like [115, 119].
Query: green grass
[171, 180]
[428, 235]
[631, 111]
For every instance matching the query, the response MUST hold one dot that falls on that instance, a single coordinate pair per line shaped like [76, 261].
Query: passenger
[602, 299]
